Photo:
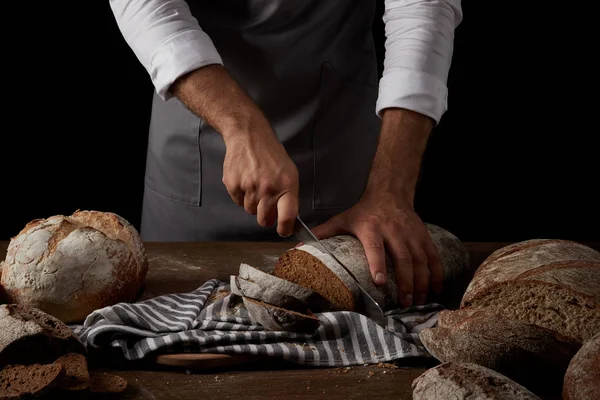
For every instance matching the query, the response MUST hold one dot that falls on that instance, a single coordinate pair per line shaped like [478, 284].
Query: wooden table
[182, 267]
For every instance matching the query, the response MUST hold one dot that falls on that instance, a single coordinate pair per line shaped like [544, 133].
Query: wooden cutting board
[204, 360]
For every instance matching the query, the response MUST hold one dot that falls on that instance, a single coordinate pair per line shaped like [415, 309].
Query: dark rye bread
[582, 379]
[510, 347]
[275, 318]
[30, 336]
[307, 266]
[26, 381]
[314, 300]
[105, 383]
[77, 377]
[551, 283]
[467, 381]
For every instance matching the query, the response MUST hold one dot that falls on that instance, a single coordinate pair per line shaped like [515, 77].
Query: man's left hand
[382, 222]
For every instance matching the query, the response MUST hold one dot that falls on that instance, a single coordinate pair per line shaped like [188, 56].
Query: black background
[513, 158]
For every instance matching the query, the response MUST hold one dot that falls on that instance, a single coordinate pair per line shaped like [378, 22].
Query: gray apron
[311, 67]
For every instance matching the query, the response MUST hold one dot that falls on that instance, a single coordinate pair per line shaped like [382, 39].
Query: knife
[304, 235]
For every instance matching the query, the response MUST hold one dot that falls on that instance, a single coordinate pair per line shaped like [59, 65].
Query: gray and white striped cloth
[211, 320]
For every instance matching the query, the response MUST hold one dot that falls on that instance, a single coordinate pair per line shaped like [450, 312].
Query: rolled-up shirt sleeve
[165, 37]
[418, 52]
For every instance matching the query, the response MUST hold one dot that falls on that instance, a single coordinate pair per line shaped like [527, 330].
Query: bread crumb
[370, 374]
[387, 365]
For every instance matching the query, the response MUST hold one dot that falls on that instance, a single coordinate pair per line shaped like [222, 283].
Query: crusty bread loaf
[315, 301]
[69, 266]
[510, 347]
[275, 318]
[30, 336]
[551, 283]
[29, 381]
[309, 267]
[582, 379]
[467, 381]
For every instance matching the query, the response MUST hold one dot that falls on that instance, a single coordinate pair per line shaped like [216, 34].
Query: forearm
[402, 142]
[212, 94]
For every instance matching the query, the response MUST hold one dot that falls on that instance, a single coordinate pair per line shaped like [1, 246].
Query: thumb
[334, 226]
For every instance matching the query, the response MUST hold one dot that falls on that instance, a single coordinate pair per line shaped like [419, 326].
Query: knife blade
[305, 235]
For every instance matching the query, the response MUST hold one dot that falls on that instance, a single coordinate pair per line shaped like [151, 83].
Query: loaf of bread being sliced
[275, 318]
[30, 336]
[309, 267]
[551, 283]
[467, 381]
[29, 381]
[315, 301]
[510, 347]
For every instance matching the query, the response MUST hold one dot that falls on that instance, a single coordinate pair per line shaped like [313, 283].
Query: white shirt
[169, 42]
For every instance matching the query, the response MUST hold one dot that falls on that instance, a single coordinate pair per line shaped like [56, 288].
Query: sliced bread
[551, 283]
[510, 347]
[582, 379]
[467, 381]
[30, 336]
[77, 377]
[105, 383]
[26, 381]
[275, 318]
[244, 288]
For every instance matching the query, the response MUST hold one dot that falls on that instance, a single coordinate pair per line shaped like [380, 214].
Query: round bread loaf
[582, 379]
[29, 336]
[467, 381]
[510, 347]
[69, 266]
[551, 283]
[309, 267]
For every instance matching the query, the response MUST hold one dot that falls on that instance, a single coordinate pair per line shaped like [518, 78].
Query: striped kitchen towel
[212, 320]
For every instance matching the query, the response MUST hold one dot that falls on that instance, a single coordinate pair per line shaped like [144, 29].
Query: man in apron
[265, 109]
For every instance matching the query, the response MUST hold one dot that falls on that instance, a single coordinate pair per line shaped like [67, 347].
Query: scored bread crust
[582, 379]
[551, 283]
[71, 266]
[508, 346]
[315, 301]
[274, 318]
[458, 380]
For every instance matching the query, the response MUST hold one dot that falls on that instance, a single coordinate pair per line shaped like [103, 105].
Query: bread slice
[315, 301]
[275, 318]
[510, 347]
[266, 294]
[551, 283]
[467, 381]
[77, 377]
[582, 379]
[25, 381]
[30, 336]
[105, 383]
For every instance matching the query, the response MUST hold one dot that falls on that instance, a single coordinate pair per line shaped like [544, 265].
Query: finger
[287, 211]
[404, 271]
[334, 226]
[420, 270]
[266, 211]
[436, 270]
[250, 203]
[375, 251]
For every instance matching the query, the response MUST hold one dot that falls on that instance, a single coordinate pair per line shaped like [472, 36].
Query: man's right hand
[261, 177]
[257, 172]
